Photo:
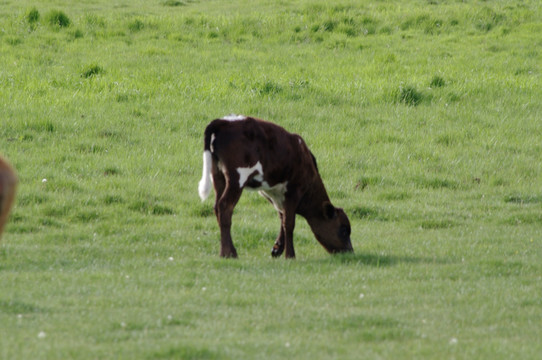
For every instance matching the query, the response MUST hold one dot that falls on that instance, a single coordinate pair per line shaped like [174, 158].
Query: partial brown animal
[244, 152]
[8, 184]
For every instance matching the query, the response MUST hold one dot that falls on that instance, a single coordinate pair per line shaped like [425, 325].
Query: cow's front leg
[224, 212]
[278, 247]
[288, 224]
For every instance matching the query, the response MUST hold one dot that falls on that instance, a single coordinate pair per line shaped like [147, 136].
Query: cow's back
[243, 143]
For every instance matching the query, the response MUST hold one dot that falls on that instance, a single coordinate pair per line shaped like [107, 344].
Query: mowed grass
[425, 120]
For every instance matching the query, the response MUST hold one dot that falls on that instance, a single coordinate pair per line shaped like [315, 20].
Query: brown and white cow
[245, 152]
[8, 183]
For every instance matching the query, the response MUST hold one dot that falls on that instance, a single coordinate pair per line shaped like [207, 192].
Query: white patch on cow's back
[276, 194]
[233, 117]
[245, 172]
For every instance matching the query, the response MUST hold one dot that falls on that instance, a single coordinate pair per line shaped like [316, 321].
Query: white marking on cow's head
[233, 117]
[245, 172]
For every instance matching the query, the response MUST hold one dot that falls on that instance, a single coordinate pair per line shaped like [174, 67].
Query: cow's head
[333, 231]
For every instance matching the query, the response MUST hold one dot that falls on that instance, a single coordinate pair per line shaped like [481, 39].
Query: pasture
[425, 119]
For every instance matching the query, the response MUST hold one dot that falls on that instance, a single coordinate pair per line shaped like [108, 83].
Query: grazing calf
[244, 152]
[8, 183]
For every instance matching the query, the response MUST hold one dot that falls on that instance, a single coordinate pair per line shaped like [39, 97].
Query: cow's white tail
[204, 187]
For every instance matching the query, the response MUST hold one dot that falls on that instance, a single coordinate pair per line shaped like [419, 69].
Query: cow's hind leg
[219, 182]
[278, 247]
[224, 210]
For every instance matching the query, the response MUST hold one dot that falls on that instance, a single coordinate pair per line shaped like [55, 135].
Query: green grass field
[425, 118]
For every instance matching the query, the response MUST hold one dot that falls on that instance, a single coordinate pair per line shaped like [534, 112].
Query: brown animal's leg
[278, 248]
[8, 184]
[219, 182]
[288, 224]
[224, 212]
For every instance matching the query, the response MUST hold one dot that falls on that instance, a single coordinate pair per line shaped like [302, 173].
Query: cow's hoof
[229, 254]
[277, 250]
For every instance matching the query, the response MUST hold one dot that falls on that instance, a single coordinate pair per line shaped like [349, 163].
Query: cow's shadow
[384, 260]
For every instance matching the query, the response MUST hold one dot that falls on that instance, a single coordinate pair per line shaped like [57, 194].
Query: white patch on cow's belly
[233, 117]
[244, 173]
[276, 194]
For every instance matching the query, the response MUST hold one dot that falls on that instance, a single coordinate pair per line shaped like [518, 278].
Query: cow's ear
[329, 211]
